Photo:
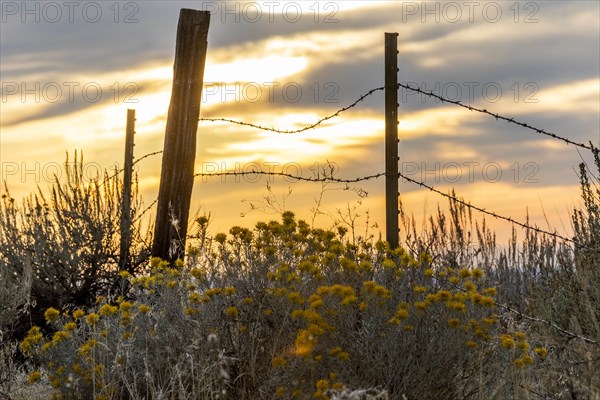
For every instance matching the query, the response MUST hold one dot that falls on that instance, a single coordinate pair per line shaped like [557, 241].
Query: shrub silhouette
[64, 248]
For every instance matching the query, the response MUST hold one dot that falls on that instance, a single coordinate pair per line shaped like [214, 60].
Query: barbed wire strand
[319, 122]
[490, 213]
[415, 89]
[137, 218]
[300, 178]
[547, 322]
[145, 211]
[495, 115]
[117, 172]
[146, 156]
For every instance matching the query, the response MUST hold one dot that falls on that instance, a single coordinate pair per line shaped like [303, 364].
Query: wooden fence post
[391, 139]
[177, 174]
[126, 197]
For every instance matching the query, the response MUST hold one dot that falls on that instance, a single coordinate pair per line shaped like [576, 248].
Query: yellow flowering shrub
[300, 306]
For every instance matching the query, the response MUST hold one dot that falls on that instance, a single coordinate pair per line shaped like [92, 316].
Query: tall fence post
[391, 139]
[177, 174]
[126, 197]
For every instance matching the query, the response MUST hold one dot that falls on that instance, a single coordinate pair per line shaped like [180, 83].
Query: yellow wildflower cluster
[519, 342]
[419, 289]
[279, 362]
[321, 385]
[34, 376]
[51, 314]
[143, 308]
[309, 268]
[295, 297]
[388, 264]
[339, 354]
[247, 300]
[542, 352]
[232, 312]
[373, 288]
[92, 319]
[346, 293]
[279, 274]
[305, 343]
[454, 322]
[107, 309]
[87, 347]
[349, 265]
[34, 337]
[523, 361]
[315, 301]
[59, 336]
[402, 313]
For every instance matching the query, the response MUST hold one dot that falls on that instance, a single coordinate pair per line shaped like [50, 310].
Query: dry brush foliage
[286, 310]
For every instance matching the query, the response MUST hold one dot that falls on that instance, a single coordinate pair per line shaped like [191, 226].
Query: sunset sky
[286, 65]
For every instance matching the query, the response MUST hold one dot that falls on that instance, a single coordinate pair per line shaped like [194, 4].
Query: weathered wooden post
[177, 175]
[391, 139]
[126, 197]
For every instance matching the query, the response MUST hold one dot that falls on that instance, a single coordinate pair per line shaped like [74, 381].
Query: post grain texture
[177, 174]
[126, 194]
[391, 139]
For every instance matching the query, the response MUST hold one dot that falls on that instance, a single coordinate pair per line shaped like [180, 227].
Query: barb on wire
[117, 172]
[319, 122]
[495, 115]
[146, 156]
[145, 211]
[300, 178]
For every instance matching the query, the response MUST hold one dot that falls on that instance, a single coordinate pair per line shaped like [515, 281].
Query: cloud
[332, 64]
